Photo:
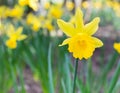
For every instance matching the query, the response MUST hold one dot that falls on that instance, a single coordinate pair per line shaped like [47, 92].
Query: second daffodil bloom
[14, 36]
[31, 3]
[80, 42]
[117, 47]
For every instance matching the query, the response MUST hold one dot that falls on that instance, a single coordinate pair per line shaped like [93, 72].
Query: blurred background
[34, 63]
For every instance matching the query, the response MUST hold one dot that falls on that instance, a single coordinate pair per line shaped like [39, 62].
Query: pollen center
[82, 43]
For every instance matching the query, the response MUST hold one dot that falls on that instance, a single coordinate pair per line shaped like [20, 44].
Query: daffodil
[16, 12]
[55, 11]
[34, 22]
[14, 36]
[2, 28]
[80, 42]
[117, 47]
[31, 3]
[48, 25]
[85, 4]
[97, 5]
[70, 5]
[47, 5]
[2, 11]
[11, 43]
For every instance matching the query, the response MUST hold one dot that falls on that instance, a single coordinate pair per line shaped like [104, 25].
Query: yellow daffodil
[36, 26]
[23, 2]
[31, 3]
[117, 47]
[85, 4]
[109, 3]
[14, 36]
[34, 21]
[2, 28]
[70, 5]
[97, 5]
[47, 5]
[11, 43]
[80, 42]
[55, 11]
[2, 11]
[48, 25]
[17, 35]
[16, 12]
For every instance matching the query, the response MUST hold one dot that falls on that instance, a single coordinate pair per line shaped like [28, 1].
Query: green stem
[115, 79]
[75, 74]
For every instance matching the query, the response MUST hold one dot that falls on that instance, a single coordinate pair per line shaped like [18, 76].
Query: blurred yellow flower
[31, 3]
[48, 25]
[81, 42]
[23, 2]
[11, 43]
[70, 5]
[14, 36]
[97, 5]
[55, 11]
[116, 7]
[85, 4]
[2, 28]
[2, 11]
[47, 5]
[117, 47]
[109, 3]
[16, 12]
[36, 26]
[34, 21]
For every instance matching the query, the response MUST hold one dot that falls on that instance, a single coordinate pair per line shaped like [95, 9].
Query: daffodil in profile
[31, 3]
[117, 47]
[14, 35]
[80, 42]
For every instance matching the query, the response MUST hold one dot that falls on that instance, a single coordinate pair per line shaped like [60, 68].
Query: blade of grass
[75, 75]
[106, 71]
[13, 76]
[117, 87]
[88, 72]
[51, 84]
[114, 79]
[19, 70]
[68, 76]
[63, 86]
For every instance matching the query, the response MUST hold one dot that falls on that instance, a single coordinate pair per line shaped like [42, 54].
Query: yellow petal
[79, 20]
[66, 41]
[92, 27]
[19, 30]
[11, 43]
[33, 4]
[10, 31]
[21, 37]
[117, 47]
[67, 28]
[98, 42]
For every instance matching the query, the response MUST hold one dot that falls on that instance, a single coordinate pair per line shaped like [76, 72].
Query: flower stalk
[75, 75]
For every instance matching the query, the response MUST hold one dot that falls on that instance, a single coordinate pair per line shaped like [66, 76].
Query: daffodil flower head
[70, 5]
[47, 5]
[16, 12]
[35, 22]
[14, 36]
[31, 3]
[80, 42]
[3, 11]
[11, 43]
[48, 24]
[117, 47]
[55, 11]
